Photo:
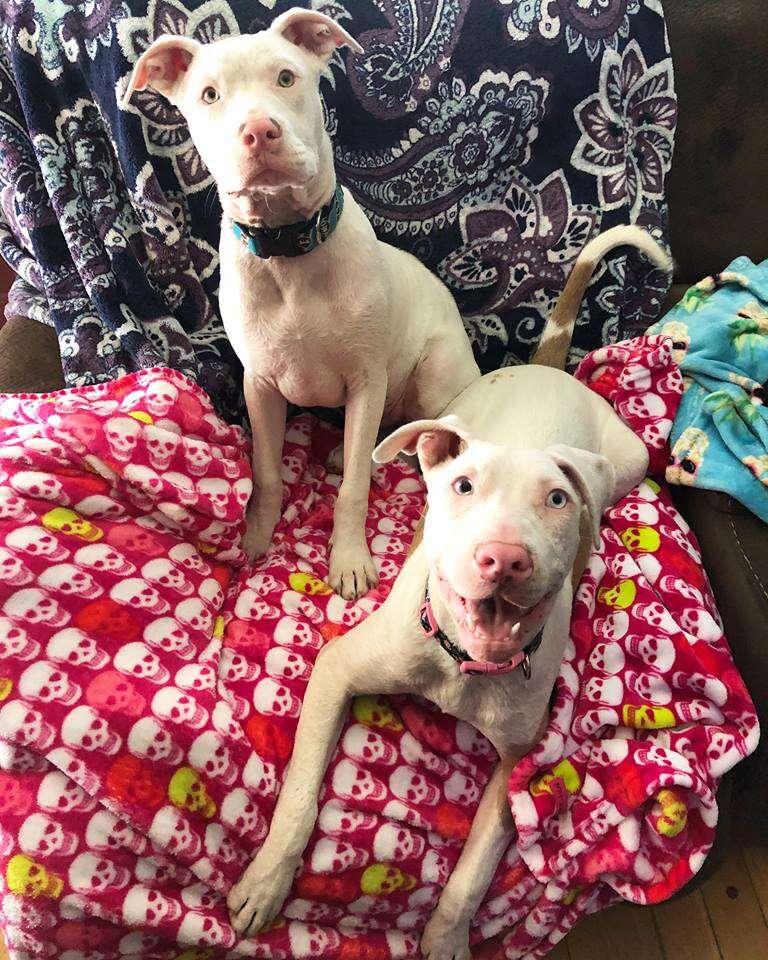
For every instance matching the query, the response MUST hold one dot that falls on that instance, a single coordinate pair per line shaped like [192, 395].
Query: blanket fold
[150, 685]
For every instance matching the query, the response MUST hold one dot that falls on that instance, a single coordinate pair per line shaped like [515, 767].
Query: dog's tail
[555, 342]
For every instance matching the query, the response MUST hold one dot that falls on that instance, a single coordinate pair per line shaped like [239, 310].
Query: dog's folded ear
[314, 31]
[433, 440]
[162, 66]
[593, 477]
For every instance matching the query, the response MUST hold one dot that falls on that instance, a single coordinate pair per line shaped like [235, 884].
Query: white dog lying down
[478, 619]
[319, 312]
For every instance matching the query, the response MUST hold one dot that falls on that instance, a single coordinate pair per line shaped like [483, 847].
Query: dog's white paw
[443, 939]
[258, 533]
[255, 542]
[335, 461]
[257, 897]
[351, 571]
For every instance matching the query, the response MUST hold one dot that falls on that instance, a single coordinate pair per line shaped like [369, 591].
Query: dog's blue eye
[210, 95]
[463, 486]
[286, 78]
[557, 499]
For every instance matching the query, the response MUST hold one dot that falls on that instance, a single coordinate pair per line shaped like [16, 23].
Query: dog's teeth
[471, 621]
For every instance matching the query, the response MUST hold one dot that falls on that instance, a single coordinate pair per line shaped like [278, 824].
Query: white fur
[507, 431]
[361, 323]
[355, 321]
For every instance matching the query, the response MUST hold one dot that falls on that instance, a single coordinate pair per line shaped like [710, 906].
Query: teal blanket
[720, 335]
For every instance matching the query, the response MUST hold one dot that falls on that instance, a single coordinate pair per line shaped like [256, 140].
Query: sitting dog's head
[252, 102]
[502, 528]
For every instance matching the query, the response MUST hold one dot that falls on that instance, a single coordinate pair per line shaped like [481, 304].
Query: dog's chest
[503, 708]
[307, 370]
[299, 327]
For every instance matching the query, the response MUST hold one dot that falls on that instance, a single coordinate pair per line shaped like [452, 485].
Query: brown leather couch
[719, 209]
[718, 199]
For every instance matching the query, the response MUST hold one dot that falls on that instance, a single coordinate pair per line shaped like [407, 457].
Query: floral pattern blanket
[150, 684]
[491, 138]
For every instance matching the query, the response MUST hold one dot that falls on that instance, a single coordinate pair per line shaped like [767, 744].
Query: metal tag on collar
[318, 233]
[428, 625]
[526, 666]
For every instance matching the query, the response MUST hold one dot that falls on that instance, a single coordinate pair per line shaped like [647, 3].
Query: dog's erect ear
[162, 66]
[592, 475]
[314, 32]
[433, 440]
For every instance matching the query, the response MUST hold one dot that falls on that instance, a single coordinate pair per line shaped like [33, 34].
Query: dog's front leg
[266, 410]
[260, 892]
[349, 665]
[352, 572]
[446, 936]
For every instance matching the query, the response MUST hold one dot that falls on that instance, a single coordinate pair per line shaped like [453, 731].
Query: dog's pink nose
[503, 561]
[259, 132]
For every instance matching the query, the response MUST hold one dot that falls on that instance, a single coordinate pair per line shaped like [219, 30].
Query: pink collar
[431, 628]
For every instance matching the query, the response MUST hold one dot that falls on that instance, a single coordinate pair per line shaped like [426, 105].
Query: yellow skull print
[571, 895]
[646, 717]
[758, 466]
[187, 792]
[621, 595]
[306, 583]
[564, 771]
[671, 812]
[142, 416]
[376, 712]
[26, 878]
[72, 524]
[381, 879]
[641, 539]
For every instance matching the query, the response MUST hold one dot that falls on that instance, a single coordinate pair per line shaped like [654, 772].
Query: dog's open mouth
[492, 628]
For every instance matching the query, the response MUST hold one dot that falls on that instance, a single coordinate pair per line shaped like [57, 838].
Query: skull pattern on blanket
[150, 686]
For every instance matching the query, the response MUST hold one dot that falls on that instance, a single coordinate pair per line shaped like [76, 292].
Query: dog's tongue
[492, 618]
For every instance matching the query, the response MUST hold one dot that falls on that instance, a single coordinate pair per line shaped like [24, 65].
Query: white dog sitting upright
[478, 619]
[317, 309]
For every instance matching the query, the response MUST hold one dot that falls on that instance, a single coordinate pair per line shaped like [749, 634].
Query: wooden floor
[726, 919]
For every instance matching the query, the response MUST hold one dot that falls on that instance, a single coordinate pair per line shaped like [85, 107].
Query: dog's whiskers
[209, 197]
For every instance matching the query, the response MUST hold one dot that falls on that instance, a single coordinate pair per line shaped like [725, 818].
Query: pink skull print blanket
[150, 684]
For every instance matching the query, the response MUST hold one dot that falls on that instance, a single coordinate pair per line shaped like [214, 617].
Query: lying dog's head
[502, 528]
[252, 102]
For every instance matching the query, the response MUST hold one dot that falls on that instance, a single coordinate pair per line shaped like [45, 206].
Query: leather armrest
[734, 547]
[29, 357]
